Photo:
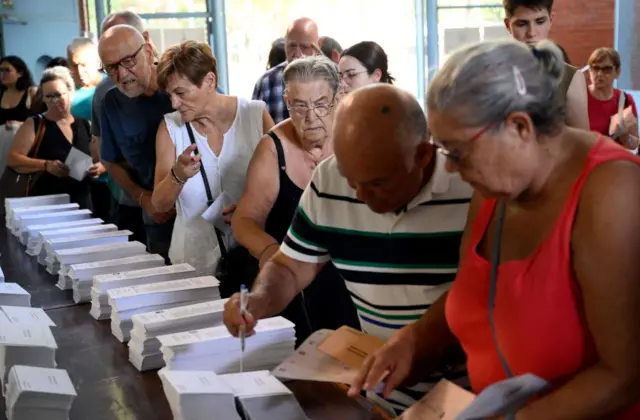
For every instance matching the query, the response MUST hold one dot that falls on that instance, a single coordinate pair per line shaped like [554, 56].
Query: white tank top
[194, 240]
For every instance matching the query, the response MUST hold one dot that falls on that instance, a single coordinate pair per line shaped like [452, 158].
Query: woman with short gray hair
[548, 283]
[279, 171]
[42, 143]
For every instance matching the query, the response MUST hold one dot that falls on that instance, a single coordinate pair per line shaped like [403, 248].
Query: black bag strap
[210, 200]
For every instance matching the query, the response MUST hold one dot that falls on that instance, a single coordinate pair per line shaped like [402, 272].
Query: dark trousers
[102, 201]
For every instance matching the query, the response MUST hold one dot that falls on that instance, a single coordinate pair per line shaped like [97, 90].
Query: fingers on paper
[359, 381]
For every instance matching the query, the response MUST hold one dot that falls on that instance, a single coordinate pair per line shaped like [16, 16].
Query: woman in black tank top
[265, 211]
[16, 83]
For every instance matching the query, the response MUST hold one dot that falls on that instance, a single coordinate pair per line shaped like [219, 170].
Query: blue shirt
[270, 90]
[128, 129]
[81, 102]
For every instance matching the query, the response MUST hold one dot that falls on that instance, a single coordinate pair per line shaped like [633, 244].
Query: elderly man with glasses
[130, 116]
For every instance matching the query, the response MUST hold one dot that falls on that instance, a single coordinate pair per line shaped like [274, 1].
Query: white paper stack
[215, 349]
[24, 316]
[128, 301]
[17, 214]
[261, 396]
[12, 294]
[11, 204]
[100, 307]
[144, 347]
[74, 242]
[35, 393]
[30, 345]
[1, 275]
[32, 233]
[198, 395]
[66, 257]
[36, 246]
[27, 220]
[82, 274]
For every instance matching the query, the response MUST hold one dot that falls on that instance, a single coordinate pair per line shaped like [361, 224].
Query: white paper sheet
[78, 163]
[214, 213]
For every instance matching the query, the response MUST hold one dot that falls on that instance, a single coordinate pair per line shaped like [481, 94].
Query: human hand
[56, 168]
[96, 170]
[147, 206]
[235, 319]
[392, 363]
[227, 213]
[187, 165]
[12, 125]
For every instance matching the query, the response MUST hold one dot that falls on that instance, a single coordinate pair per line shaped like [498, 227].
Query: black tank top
[18, 113]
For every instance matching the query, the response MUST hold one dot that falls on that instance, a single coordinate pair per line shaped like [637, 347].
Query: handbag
[236, 265]
[14, 184]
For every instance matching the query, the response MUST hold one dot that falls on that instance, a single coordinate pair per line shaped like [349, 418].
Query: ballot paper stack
[31, 219]
[32, 233]
[24, 316]
[35, 393]
[19, 213]
[216, 350]
[263, 397]
[36, 246]
[100, 307]
[10, 204]
[82, 275]
[66, 257]
[75, 242]
[30, 345]
[197, 395]
[1, 275]
[128, 301]
[12, 294]
[144, 347]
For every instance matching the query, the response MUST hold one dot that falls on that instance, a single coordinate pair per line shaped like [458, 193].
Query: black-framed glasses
[321, 110]
[603, 69]
[126, 62]
[53, 97]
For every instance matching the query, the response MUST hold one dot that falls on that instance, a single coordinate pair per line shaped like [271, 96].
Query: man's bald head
[381, 144]
[302, 39]
[120, 34]
[124, 17]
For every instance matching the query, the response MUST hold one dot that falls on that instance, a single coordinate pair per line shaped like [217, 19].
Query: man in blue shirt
[130, 115]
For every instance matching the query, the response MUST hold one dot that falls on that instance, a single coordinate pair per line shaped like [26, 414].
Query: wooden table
[108, 386]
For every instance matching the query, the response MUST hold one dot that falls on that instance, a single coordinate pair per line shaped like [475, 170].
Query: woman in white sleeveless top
[226, 131]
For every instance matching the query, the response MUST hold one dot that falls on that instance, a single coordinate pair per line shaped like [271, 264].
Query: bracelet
[174, 177]
[140, 198]
[265, 250]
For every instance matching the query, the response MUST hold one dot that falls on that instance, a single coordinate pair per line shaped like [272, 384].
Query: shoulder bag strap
[39, 136]
[205, 179]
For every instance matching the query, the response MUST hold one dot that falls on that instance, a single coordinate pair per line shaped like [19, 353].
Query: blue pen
[243, 311]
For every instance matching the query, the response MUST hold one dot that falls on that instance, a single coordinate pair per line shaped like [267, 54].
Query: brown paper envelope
[444, 402]
[350, 346]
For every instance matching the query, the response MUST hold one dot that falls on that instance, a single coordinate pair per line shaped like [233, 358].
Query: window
[168, 32]
[157, 6]
[252, 25]
[628, 44]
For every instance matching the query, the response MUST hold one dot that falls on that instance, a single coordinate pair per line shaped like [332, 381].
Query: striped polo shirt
[395, 265]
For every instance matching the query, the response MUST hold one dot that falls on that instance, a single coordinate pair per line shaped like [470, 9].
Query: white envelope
[78, 163]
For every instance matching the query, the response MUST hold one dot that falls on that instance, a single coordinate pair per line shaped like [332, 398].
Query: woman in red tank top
[567, 295]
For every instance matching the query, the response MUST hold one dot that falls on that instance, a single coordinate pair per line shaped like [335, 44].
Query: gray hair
[78, 43]
[126, 17]
[484, 82]
[328, 45]
[58, 73]
[307, 69]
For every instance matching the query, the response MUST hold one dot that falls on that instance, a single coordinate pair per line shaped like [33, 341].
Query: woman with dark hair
[363, 64]
[17, 91]
[277, 54]
[58, 62]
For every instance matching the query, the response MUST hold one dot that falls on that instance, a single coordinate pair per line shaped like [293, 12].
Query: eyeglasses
[454, 155]
[126, 62]
[301, 111]
[348, 76]
[603, 69]
[53, 97]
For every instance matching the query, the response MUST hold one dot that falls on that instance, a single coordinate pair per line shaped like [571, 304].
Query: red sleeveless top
[538, 310]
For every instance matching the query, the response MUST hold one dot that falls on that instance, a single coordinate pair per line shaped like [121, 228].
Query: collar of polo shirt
[438, 184]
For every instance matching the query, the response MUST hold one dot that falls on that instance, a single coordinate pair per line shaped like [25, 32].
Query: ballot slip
[198, 395]
[262, 396]
[18, 213]
[1, 275]
[37, 393]
[128, 301]
[104, 282]
[45, 218]
[11, 204]
[35, 246]
[216, 350]
[33, 232]
[12, 294]
[30, 345]
[23, 315]
[144, 347]
[81, 275]
[67, 257]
